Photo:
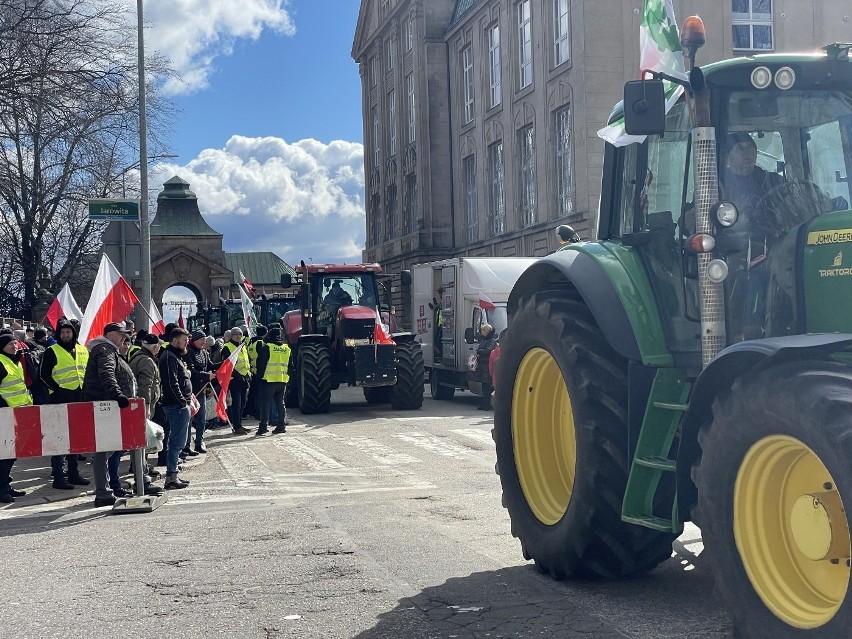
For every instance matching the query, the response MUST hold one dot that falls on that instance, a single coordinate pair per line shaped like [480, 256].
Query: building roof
[261, 268]
[178, 213]
[462, 7]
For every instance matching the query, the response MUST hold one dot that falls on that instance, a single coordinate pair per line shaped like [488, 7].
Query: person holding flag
[239, 380]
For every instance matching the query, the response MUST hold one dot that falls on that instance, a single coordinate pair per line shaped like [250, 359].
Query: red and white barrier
[63, 429]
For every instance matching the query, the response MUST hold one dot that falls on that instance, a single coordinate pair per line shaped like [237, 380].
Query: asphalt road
[364, 522]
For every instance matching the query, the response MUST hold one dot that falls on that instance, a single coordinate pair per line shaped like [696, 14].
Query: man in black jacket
[201, 372]
[177, 395]
[108, 378]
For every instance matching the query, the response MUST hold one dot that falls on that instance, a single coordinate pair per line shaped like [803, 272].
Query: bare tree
[68, 127]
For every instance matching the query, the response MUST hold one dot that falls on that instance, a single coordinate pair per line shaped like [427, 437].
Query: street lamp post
[144, 225]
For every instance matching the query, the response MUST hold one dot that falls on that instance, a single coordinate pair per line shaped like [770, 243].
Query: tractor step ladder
[666, 405]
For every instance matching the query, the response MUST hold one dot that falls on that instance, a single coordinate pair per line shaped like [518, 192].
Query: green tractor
[695, 362]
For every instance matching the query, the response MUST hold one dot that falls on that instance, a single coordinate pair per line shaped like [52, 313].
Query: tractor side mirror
[644, 107]
[286, 280]
[469, 335]
[405, 278]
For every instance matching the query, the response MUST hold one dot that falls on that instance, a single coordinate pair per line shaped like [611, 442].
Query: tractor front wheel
[314, 383]
[560, 427]
[407, 393]
[772, 481]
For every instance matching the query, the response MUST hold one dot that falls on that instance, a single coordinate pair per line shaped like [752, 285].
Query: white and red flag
[223, 375]
[248, 312]
[112, 300]
[158, 326]
[180, 317]
[380, 334]
[247, 284]
[64, 306]
[194, 406]
[485, 302]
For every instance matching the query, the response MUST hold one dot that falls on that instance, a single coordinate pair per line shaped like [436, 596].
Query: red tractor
[338, 337]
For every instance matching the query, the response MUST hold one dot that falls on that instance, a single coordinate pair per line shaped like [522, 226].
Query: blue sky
[269, 131]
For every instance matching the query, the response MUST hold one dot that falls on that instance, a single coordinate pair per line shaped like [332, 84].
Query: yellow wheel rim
[543, 436]
[791, 532]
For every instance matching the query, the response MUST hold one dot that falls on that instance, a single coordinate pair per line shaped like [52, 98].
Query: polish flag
[64, 305]
[485, 302]
[194, 406]
[380, 335]
[180, 317]
[112, 300]
[247, 284]
[158, 326]
[223, 375]
[248, 312]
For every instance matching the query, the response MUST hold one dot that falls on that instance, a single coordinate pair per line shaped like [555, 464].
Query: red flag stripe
[81, 427]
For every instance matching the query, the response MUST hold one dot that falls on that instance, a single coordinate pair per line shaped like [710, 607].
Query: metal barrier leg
[139, 466]
[141, 503]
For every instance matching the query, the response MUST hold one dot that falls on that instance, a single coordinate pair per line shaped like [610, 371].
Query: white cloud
[301, 200]
[192, 33]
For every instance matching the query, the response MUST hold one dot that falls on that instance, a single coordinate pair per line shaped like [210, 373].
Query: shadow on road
[27, 524]
[518, 603]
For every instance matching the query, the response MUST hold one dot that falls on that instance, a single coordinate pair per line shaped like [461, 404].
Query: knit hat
[149, 340]
[210, 341]
[39, 333]
[260, 330]
[197, 334]
[5, 339]
[275, 335]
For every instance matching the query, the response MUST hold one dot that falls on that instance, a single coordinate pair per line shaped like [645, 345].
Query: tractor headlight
[761, 77]
[702, 243]
[725, 213]
[785, 78]
[717, 271]
[349, 342]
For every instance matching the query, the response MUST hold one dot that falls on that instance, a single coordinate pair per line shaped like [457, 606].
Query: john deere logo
[836, 269]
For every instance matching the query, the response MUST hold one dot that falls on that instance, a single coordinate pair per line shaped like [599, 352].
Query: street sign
[118, 210]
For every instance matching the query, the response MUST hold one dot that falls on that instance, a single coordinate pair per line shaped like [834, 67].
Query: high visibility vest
[70, 371]
[243, 367]
[13, 388]
[252, 355]
[276, 367]
[133, 349]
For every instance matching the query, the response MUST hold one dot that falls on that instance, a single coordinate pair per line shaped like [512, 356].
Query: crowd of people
[175, 373]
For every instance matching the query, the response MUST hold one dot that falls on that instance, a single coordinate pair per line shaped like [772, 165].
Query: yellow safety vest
[13, 388]
[252, 355]
[243, 367]
[70, 371]
[132, 351]
[276, 367]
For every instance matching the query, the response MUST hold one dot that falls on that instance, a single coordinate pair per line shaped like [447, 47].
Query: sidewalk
[33, 474]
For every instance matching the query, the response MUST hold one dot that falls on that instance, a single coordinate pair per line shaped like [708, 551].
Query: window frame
[468, 92]
[497, 188]
[526, 176]
[495, 76]
[525, 39]
[560, 38]
[377, 145]
[409, 34]
[391, 57]
[411, 90]
[563, 165]
[470, 199]
[752, 20]
[392, 122]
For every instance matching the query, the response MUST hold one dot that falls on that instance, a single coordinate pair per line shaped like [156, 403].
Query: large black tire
[568, 389]
[407, 393]
[314, 381]
[377, 394]
[438, 390]
[760, 456]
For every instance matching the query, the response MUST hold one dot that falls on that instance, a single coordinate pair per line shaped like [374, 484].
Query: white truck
[447, 314]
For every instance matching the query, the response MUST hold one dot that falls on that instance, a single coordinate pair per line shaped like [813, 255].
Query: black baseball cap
[114, 327]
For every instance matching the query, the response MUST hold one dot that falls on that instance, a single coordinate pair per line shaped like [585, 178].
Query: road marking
[242, 463]
[309, 455]
[435, 445]
[384, 455]
[482, 436]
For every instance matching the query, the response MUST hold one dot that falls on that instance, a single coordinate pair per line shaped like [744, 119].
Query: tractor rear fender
[402, 338]
[613, 284]
[735, 362]
[314, 338]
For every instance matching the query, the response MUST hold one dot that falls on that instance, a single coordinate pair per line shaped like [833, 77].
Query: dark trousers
[57, 463]
[272, 395]
[5, 470]
[486, 394]
[239, 394]
[255, 396]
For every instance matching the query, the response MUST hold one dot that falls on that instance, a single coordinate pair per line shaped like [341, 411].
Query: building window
[525, 68]
[564, 195]
[496, 192]
[375, 221]
[391, 222]
[374, 72]
[391, 54]
[494, 65]
[392, 121]
[526, 177]
[467, 80]
[409, 34]
[560, 31]
[752, 25]
[377, 148]
[470, 216]
[410, 204]
[412, 109]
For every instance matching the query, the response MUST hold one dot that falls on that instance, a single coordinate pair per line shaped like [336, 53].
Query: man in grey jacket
[108, 378]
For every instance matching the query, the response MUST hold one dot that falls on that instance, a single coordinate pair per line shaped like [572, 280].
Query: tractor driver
[335, 298]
